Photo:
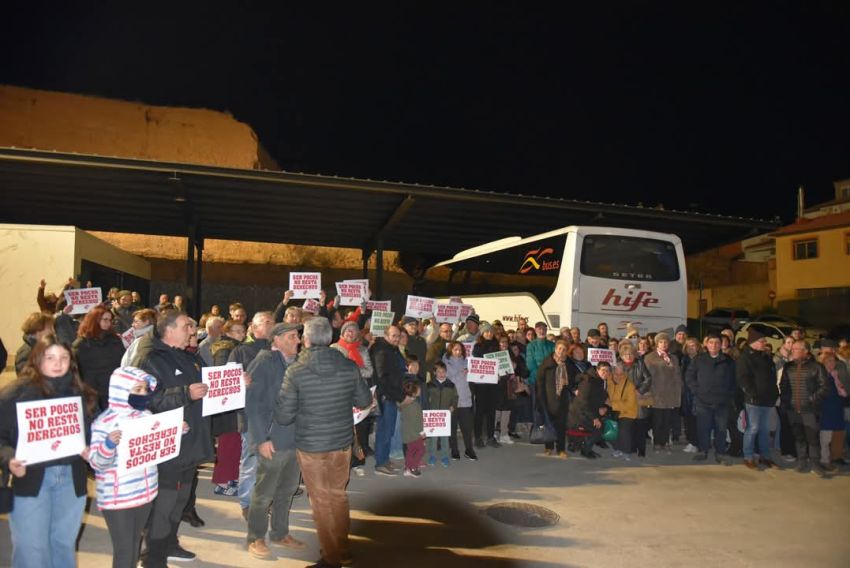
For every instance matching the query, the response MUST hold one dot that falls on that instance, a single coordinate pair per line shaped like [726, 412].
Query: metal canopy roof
[139, 196]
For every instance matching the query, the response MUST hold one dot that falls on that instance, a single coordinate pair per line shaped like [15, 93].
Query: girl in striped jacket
[124, 499]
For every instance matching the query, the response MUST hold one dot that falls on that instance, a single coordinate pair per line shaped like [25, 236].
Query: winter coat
[441, 395]
[390, 368]
[121, 490]
[267, 371]
[411, 421]
[23, 353]
[176, 369]
[318, 392]
[814, 384]
[756, 376]
[622, 397]
[417, 346]
[96, 359]
[221, 349]
[367, 371]
[535, 353]
[711, 379]
[666, 380]
[585, 406]
[456, 371]
[546, 384]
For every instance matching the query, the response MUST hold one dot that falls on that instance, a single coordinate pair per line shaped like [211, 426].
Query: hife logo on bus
[534, 261]
[628, 303]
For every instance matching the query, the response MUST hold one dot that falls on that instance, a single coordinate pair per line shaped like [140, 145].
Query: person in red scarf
[351, 345]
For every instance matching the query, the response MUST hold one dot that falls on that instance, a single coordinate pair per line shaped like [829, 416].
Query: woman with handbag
[49, 497]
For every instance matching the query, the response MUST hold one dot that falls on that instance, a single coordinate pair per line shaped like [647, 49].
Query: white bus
[575, 276]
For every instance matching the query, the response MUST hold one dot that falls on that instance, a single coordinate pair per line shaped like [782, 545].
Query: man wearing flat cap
[274, 444]
[756, 376]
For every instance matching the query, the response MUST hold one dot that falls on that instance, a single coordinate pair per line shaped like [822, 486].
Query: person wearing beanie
[471, 331]
[416, 344]
[679, 337]
[756, 376]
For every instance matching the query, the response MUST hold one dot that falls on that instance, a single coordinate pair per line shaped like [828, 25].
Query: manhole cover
[522, 514]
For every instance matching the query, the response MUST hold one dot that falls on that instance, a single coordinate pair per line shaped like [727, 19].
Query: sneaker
[617, 454]
[505, 439]
[385, 470]
[412, 473]
[233, 483]
[180, 554]
[789, 458]
[700, 457]
[225, 490]
[563, 455]
[471, 455]
[432, 461]
[494, 443]
[359, 472]
[455, 456]
[289, 542]
[690, 449]
[445, 462]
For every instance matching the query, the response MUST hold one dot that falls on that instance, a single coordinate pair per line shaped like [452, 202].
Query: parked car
[718, 318]
[812, 333]
[774, 333]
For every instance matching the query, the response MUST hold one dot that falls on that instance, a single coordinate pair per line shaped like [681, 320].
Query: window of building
[805, 249]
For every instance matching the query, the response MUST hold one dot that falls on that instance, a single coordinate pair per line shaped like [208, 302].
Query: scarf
[353, 350]
[663, 355]
[62, 385]
[560, 378]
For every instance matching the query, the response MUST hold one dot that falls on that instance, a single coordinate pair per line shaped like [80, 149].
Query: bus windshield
[629, 258]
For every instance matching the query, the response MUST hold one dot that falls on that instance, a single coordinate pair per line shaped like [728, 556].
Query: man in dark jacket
[804, 386]
[278, 472]
[416, 344]
[180, 385]
[756, 376]
[123, 312]
[711, 379]
[390, 367]
[318, 393]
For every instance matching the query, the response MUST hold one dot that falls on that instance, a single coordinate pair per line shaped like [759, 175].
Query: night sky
[722, 110]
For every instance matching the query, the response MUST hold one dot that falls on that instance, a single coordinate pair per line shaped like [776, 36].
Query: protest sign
[481, 370]
[305, 284]
[380, 306]
[350, 293]
[361, 413]
[419, 307]
[380, 322]
[150, 440]
[128, 337]
[312, 306]
[436, 423]
[226, 389]
[467, 347]
[364, 282]
[595, 356]
[447, 313]
[506, 367]
[465, 311]
[455, 300]
[83, 299]
[50, 429]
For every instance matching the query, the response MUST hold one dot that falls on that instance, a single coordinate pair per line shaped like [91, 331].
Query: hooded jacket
[176, 369]
[134, 488]
[318, 393]
[441, 395]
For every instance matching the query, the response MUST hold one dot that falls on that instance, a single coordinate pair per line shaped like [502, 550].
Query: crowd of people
[305, 372]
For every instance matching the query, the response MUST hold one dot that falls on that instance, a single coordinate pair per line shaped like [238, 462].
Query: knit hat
[473, 318]
[348, 325]
[753, 335]
[831, 343]
[683, 328]
[485, 326]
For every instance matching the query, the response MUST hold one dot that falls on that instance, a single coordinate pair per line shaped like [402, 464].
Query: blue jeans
[384, 431]
[247, 473]
[712, 418]
[758, 425]
[44, 528]
[396, 445]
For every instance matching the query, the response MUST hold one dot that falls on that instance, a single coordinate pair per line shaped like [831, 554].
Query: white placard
[305, 284]
[82, 300]
[361, 413]
[350, 293]
[379, 305]
[465, 311]
[364, 282]
[506, 366]
[455, 300]
[481, 370]
[595, 356]
[150, 440]
[312, 306]
[380, 322]
[436, 423]
[50, 429]
[226, 389]
[419, 307]
[447, 313]
[467, 348]
[128, 337]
